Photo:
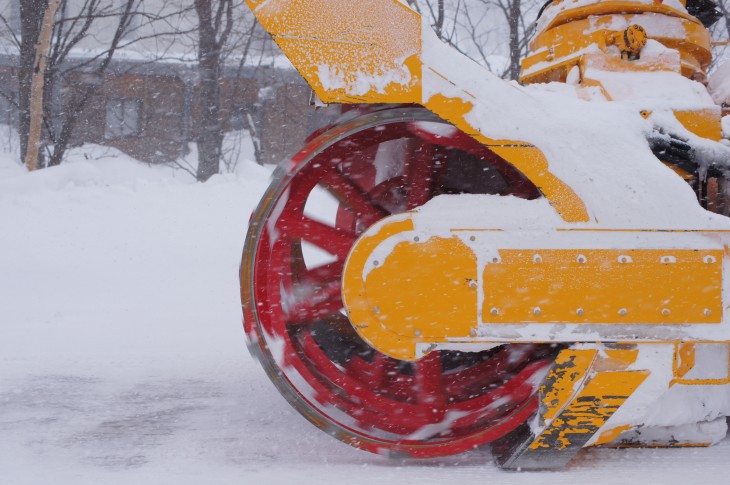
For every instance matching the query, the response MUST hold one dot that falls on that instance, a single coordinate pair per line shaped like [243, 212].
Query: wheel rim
[342, 182]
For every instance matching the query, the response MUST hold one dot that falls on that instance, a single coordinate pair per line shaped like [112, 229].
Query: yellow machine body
[635, 288]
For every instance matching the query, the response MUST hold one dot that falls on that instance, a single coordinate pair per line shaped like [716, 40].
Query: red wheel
[343, 181]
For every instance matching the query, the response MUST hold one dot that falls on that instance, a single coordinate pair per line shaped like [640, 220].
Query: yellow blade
[349, 51]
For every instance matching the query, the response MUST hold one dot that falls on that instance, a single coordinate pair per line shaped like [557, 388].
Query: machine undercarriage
[467, 260]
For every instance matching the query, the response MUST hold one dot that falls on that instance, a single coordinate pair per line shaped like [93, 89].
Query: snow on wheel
[370, 165]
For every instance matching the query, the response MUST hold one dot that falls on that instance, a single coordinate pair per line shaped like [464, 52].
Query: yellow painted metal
[589, 410]
[400, 304]
[564, 380]
[565, 45]
[425, 292]
[604, 286]
[705, 123]
[335, 48]
[630, 41]
[410, 301]
[583, 389]
[358, 303]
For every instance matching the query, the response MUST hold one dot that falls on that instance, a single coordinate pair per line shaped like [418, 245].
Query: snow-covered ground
[122, 357]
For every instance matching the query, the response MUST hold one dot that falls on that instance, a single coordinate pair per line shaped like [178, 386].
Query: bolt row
[622, 312]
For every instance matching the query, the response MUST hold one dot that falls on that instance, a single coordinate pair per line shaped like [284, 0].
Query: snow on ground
[122, 358]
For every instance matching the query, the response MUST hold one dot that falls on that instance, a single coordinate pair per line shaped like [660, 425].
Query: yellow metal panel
[426, 289]
[348, 51]
[586, 414]
[604, 286]
[564, 379]
[705, 123]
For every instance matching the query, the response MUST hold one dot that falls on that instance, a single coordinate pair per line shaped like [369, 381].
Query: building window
[122, 117]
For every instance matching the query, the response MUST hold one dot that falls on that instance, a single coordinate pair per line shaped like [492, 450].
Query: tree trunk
[31, 19]
[210, 133]
[514, 38]
[37, 85]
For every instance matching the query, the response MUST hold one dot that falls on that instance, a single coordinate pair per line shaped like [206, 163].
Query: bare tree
[494, 33]
[31, 20]
[721, 30]
[215, 23]
[443, 16]
[71, 26]
[100, 63]
[38, 84]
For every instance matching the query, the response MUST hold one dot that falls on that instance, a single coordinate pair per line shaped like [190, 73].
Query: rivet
[495, 260]
[623, 312]
[581, 259]
[537, 259]
[707, 312]
[624, 259]
[473, 238]
[417, 333]
[666, 312]
[376, 262]
[579, 311]
[668, 259]
[537, 310]
[416, 239]
[472, 284]
[494, 311]
[709, 259]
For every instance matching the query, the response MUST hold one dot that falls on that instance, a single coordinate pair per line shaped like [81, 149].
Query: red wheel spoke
[419, 174]
[430, 389]
[327, 272]
[331, 239]
[319, 304]
[354, 197]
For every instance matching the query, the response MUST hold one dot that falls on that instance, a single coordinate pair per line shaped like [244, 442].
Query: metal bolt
[623, 312]
[416, 239]
[495, 260]
[581, 259]
[537, 310]
[666, 312]
[709, 259]
[624, 259]
[376, 262]
[579, 311]
[707, 312]
[537, 259]
[494, 311]
[473, 238]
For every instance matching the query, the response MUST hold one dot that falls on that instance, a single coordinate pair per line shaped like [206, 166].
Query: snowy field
[122, 357]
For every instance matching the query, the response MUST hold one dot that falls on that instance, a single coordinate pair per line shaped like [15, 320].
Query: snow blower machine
[464, 260]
